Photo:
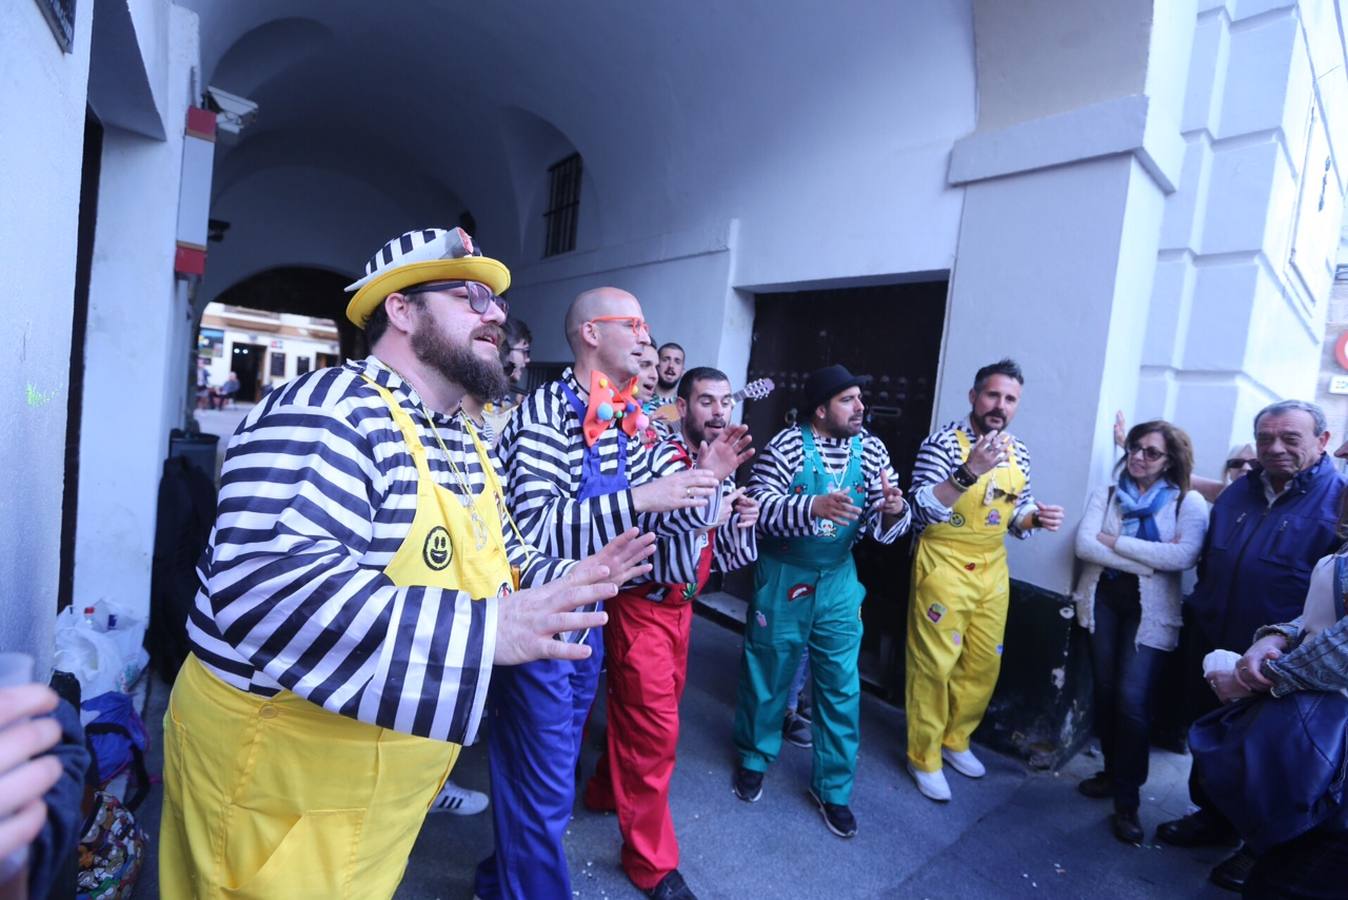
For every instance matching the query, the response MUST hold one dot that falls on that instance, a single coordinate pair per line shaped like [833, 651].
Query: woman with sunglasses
[1136, 538]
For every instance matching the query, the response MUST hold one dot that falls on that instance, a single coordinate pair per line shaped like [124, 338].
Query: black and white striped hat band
[418, 246]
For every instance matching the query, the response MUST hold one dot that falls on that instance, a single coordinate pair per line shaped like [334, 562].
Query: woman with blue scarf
[1136, 538]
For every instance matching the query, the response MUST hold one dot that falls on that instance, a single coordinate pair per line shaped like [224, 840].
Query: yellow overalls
[279, 798]
[957, 615]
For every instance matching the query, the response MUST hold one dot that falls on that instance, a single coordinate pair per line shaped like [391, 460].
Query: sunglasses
[1240, 464]
[1150, 454]
[480, 298]
[637, 324]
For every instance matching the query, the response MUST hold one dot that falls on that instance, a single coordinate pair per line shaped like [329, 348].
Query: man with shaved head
[577, 475]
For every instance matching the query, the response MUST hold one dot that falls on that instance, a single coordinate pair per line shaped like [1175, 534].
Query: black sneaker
[1098, 787]
[1126, 827]
[671, 887]
[748, 784]
[839, 819]
[796, 731]
[1232, 872]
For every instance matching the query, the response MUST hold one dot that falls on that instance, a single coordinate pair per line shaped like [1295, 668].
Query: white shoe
[964, 762]
[932, 785]
[459, 801]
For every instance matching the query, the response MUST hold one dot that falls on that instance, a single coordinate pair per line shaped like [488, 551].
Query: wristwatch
[963, 477]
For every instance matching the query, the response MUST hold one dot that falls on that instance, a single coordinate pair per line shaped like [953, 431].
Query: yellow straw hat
[416, 257]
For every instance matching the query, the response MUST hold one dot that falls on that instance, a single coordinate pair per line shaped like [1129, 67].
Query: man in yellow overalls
[971, 485]
[354, 600]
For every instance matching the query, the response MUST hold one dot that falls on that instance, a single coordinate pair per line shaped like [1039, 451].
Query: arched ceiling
[440, 106]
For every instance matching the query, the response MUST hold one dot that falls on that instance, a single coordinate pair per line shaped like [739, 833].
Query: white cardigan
[1158, 565]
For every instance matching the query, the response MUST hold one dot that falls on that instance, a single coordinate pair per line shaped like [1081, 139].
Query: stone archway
[303, 290]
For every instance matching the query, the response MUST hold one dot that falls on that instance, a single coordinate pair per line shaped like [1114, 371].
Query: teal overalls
[806, 592]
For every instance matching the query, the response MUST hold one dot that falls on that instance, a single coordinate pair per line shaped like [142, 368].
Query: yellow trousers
[956, 622]
[279, 798]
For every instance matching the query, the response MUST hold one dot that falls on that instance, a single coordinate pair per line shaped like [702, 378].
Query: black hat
[826, 383]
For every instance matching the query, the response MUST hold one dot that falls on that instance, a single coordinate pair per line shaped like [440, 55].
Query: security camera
[234, 113]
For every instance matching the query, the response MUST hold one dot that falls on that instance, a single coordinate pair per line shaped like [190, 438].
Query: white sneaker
[932, 785]
[964, 762]
[459, 801]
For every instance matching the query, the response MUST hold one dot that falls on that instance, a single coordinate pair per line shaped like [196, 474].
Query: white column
[1063, 207]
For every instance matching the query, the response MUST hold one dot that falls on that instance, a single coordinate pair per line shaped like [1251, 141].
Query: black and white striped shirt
[542, 448]
[317, 493]
[675, 560]
[940, 455]
[787, 514]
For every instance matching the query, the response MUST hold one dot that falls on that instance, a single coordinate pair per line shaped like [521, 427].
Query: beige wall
[1036, 58]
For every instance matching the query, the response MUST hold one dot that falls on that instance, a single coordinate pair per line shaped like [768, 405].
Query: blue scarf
[1139, 512]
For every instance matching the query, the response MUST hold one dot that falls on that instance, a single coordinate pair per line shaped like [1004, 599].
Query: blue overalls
[537, 714]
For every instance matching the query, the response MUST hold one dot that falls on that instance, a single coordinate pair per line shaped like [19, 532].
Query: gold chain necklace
[466, 495]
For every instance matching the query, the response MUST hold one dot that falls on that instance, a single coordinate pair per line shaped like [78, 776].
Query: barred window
[563, 206]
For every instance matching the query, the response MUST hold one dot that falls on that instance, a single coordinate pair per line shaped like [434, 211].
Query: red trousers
[646, 649]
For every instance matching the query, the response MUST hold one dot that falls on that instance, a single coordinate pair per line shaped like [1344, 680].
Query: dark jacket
[1257, 559]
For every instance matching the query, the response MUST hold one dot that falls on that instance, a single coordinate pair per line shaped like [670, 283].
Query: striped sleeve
[937, 457]
[735, 547]
[298, 499]
[875, 460]
[1026, 503]
[683, 532]
[535, 569]
[781, 513]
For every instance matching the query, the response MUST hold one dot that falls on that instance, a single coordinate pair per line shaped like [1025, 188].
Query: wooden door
[893, 334]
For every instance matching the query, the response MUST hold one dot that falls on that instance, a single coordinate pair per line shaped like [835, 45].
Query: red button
[969, 567]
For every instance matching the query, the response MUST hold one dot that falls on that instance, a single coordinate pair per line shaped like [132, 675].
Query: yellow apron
[957, 615]
[279, 798]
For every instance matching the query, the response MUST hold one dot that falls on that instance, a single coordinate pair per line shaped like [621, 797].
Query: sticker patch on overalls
[994, 517]
[935, 612]
[825, 528]
[999, 649]
[796, 591]
[437, 551]
[761, 619]
[955, 638]
[956, 520]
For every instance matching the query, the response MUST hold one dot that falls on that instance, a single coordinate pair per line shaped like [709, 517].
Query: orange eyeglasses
[636, 323]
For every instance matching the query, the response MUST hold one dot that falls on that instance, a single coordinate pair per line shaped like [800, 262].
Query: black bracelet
[964, 477]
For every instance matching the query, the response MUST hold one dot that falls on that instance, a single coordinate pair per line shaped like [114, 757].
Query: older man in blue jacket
[1266, 533]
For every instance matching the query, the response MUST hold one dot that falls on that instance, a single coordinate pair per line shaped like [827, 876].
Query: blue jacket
[1257, 559]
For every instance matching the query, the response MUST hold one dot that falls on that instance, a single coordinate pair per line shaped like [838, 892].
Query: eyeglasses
[1150, 454]
[637, 324]
[1240, 464]
[480, 298]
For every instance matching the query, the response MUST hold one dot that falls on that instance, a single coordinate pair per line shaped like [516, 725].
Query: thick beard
[482, 378]
[665, 387]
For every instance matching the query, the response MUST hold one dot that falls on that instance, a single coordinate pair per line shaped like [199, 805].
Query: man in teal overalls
[822, 486]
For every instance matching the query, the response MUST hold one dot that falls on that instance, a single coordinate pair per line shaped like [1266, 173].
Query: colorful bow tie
[609, 404]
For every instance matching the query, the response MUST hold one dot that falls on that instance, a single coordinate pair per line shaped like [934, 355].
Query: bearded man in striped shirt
[824, 485]
[646, 647]
[971, 485]
[578, 476]
[362, 580]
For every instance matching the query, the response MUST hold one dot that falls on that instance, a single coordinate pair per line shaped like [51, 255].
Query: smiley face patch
[437, 551]
[956, 520]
